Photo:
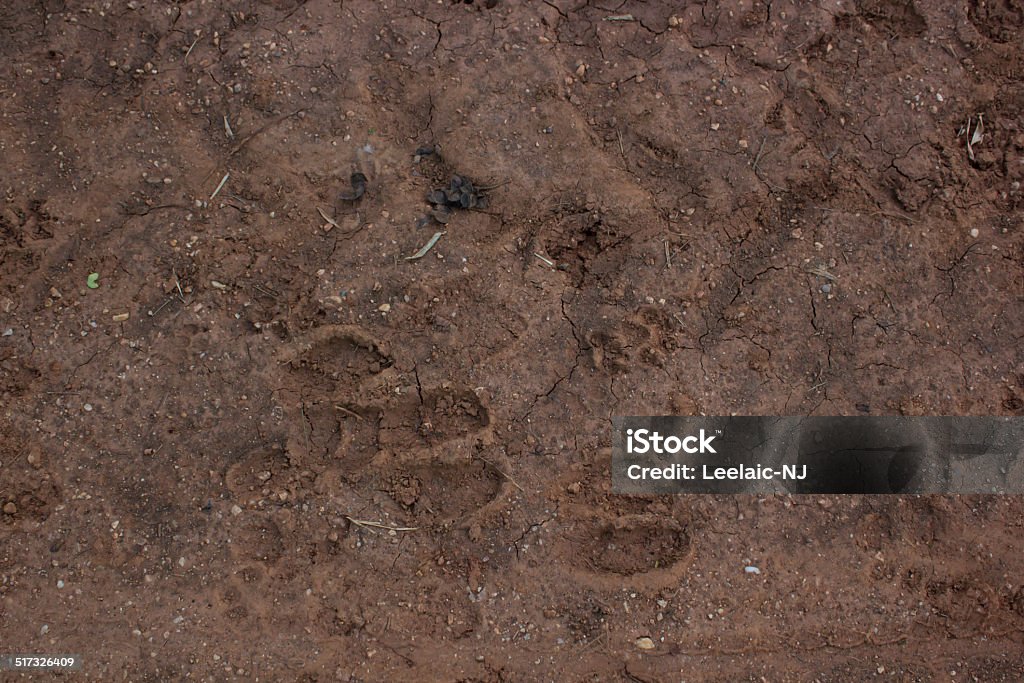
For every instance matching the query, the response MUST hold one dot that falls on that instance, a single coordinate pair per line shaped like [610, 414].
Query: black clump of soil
[459, 194]
[358, 182]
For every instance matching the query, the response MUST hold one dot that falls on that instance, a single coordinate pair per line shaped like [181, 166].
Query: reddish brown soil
[189, 476]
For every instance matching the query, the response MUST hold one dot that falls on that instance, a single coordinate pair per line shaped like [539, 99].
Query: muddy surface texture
[268, 446]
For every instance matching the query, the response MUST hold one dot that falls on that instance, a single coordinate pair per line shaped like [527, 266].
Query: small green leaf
[93, 281]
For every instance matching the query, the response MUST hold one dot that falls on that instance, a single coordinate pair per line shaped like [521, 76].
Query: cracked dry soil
[304, 458]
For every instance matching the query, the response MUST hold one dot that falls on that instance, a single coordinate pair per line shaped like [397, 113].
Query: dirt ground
[303, 457]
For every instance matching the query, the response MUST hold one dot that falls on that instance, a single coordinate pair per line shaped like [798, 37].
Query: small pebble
[645, 643]
[826, 288]
[751, 569]
[10, 508]
[87, 407]
[975, 232]
[60, 584]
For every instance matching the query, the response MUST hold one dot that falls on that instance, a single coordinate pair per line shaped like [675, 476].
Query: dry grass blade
[975, 137]
[821, 272]
[328, 218]
[248, 138]
[190, 49]
[221, 186]
[349, 412]
[377, 525]
[979, 131]
[426, 247]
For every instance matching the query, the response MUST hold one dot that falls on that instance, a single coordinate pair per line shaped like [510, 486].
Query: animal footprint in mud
[651, 550]
[649, 336]
[440, 416]
[247, 477]
[327, 369]
[336, 357]
[28, 492]
[257, 537]
[447, 421]
[445, 492]
[431, 465]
